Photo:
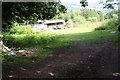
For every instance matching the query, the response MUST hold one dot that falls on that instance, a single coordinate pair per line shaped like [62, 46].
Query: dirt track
[78, 61]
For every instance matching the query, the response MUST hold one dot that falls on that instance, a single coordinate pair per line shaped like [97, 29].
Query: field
[53, 42]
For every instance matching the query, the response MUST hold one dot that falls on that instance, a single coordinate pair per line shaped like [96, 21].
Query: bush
[79, 19]
[92, 19]
[109, 24]
[21, 29]
[69, 20]
[26, 40]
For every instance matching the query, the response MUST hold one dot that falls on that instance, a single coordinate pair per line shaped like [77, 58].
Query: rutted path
[79, 61]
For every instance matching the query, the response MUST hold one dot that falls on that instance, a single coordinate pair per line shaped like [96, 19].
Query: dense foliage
[82, 15]
[23, 12]
[112, 14]
[111, 21]
[109, 4]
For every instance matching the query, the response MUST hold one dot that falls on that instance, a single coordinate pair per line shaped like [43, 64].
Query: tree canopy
[107, 4]
[84, 3]
[26, 11]
[112, 14]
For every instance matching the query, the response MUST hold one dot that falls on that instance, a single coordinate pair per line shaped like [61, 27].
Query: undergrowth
[54, 41]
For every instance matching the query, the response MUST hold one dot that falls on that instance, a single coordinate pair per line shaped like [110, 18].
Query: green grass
[54, 41]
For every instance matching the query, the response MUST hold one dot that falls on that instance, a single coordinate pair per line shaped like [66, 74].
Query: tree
[84, 3]
[107, 4]
[111, 14]
[85, 13]
[26, 11]
[89, 13]
[79, 19]
[65, 16]
[75, 13]
[101, 15]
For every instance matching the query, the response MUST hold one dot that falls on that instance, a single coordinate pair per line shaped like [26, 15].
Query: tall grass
[88, 24]
[109, 24]
[24, 36]
[49, 42]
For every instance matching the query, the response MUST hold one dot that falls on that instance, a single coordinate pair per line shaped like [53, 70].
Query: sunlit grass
[53, 41]
[56, 38]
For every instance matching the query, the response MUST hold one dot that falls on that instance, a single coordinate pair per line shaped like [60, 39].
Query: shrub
[92, 19]
[21, 29]
[109, 24]
[69, 20]
[79, 19]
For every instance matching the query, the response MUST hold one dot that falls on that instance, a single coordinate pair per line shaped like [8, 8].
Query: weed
[50, 42]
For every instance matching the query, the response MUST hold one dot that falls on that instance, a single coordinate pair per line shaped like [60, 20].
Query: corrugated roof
[40, 21]
[54, 21]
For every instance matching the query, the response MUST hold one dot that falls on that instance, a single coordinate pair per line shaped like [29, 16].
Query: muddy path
[78, 61]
